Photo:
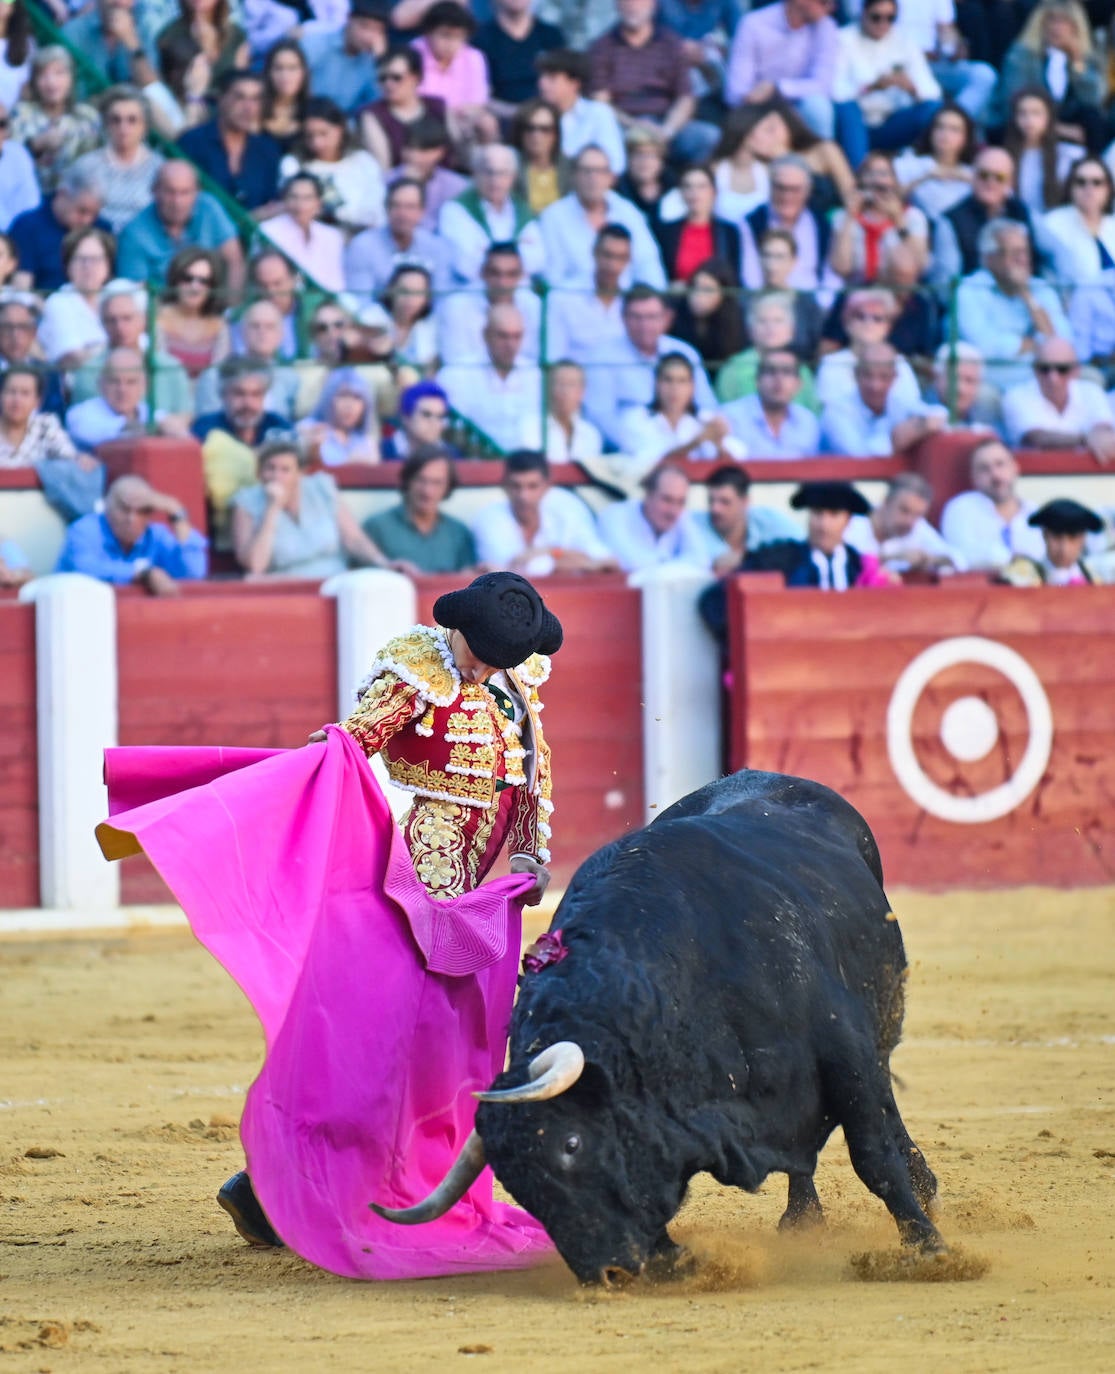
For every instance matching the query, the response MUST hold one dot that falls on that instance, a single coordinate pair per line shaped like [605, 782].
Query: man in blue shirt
[343, 64]
[38, 233]
[770, 423]
[123, 546]
[181, 216]
[244, 384]
[230, 150]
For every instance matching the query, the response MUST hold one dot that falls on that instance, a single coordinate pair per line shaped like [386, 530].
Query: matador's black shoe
[238, 1199]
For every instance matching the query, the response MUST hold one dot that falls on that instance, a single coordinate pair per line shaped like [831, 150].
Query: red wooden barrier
[969, 788]
[19, 758]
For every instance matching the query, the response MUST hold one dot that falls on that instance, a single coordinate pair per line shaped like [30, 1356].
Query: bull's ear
[594, 1087]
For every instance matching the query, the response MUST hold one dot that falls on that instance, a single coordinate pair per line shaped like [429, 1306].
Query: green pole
[953, 336]
[150, 361]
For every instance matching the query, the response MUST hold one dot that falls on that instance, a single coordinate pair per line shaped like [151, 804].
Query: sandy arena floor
[124, 1068]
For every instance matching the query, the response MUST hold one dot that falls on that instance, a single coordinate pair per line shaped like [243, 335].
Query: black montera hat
[502, 617]
[1066, 517]
[830, 496]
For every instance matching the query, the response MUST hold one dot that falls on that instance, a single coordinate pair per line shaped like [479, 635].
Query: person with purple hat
[423, 416]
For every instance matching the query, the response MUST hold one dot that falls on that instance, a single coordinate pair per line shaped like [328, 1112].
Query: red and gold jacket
[448, 741]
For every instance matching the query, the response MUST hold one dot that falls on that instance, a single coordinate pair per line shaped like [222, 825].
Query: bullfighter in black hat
[1065, 525]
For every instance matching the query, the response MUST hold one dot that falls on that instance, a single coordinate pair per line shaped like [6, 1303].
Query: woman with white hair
[53, 125]
[126, 166]
[771, 322]
[868, 316]
[343, 427]
[489, 212]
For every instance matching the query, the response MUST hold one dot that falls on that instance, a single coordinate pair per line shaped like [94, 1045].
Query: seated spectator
[126, 546]
[108, 36]
[884, 91]
[639, 68]
[384, 123]
[14, 568]
[620, 372]
[898, 534]
[791, 183]
[343, 427]
[709, 318]
[9, 262]
[989, 525]
[569, 436]
[352, 186]
[916, 328]
[51, 123]
[1081, 232]
[423, 416]
[261, 332]
[1065, 526]
[27, 434]
[770, 324]
[19, 320]
[292, 523]
[462, 316]
[37, 234]
[732, 525]
[537, 529]
[671, 429]
[958, 383]
[16, 46]
[230, 151]
[823, 559]
[786, 49]
[19, 182]
[648, 180]
[456, 72]
[1042, 159]
[179, 99]
[1092, 321]
[124, 320]
[741, 180]
[317, 249]
[426, 146]
[244, 385]
[875, 420]
[770, 424]
[343, 61]
[877, 219]
[121, 408]
[563, 76]
[125, 166]
[867, 317]
[206, 31]
[775, 130]
[545, 174]
[339, 339]
[272, 278]
[488, 212]
[934, 28]
[937, 174]
[570, 226]
[181, 216]
[778, 251]
[687, 243]
[1003, 308]
[1055, 52]
[512, 41]
[286, 92]
[493, 396]
[70, 329]
[417, 531]
[656, 528]
[372, 256]
[956, 234]
[1057, 408]
[586, 315]
[190, 323]
[409, 300]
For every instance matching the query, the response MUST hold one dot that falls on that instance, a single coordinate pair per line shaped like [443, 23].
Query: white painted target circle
[969, 730]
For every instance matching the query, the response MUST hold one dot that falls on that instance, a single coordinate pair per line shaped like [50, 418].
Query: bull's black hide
[735, 980]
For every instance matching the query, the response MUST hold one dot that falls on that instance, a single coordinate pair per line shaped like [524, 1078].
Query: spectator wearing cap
[462, 315]
[791, 185]
[787, 49]
[123, 313]
[19, 321]
[770, 424]
[989, 524]
[570, 438]
[733, 526]
[1057, 408]
[588, 315]
[230, 150]
[456, 72]
[489, 212]
[898, 534]
[562, 77]
[823, 559]
[373, 255]
[648, 531]
[1065, 526]
[512, 41]
[536, 528]
[494, 395]
[38, 233]
[417, 530]
[423, 416]
[19, 182]
[875, 420]
[570, 226]
[181, 215]
[317, 249]
[342, 62]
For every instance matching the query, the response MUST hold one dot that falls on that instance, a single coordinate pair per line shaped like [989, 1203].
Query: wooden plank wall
[814, 674]
[19, 758]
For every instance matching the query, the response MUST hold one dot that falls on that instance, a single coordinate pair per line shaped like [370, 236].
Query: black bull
[733, 991]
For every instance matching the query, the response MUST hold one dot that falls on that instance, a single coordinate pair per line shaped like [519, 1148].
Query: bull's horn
[551, 1072]
[467, 1168]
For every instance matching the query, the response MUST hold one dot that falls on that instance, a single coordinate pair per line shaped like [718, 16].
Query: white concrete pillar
[75, 656]
[373, 606]
[681, 688]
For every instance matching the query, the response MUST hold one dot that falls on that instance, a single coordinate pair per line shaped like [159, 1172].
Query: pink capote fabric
[382, 1009]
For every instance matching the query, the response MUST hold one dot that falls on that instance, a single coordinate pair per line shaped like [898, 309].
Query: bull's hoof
[801, 1219]
[671, 1263]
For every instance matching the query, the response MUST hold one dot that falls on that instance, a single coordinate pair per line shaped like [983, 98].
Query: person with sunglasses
[127, 167]
[884, 91]
[1058, 408]
[1082, 230]
[423, 417]
[384, 123]
[957, 232]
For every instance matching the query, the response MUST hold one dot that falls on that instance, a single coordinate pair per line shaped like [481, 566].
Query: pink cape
[382, 1009]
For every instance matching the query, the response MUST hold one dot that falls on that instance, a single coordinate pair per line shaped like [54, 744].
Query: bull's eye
[571, 1144]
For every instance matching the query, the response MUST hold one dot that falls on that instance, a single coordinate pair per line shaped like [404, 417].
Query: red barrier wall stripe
[19, 758]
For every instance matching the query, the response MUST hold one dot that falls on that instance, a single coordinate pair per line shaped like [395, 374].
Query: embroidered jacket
[451, 741]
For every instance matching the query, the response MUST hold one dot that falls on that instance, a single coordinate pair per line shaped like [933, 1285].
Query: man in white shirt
[494, 396]
[487, 213]
[988, 526]
[562, 76]
[584, 316]
[875, 420]
[120, 409]
[621, 372]
[570, 226]
[897, 532]
[769, 423]
[537, 529]
[1058, 408]
[958, 383]
[656, 529]
[570, 438]
[462, 315]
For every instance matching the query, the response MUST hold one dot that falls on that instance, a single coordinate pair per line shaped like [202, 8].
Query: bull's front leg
[803, 1206]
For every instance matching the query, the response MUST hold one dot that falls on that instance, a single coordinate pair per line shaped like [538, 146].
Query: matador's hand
[523, 863]
[318, 737]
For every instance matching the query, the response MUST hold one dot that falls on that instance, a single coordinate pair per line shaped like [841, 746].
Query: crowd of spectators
[312, 233]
